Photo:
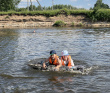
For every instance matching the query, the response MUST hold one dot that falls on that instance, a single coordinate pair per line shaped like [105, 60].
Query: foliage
[48, 13]
[32, 7]
[62, 7]
[100, 5]
[6, 5]
[100, 15]
[59, 23]
[54, 7]
[21, 9]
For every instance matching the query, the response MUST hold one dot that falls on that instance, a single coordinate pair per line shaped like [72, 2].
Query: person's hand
[44, 66]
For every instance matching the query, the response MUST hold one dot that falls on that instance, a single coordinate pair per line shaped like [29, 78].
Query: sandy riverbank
[20, 21]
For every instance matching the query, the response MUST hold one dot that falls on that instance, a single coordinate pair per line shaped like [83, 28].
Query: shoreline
[20, 21]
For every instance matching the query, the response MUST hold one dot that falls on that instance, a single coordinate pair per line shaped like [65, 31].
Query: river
[89, 47]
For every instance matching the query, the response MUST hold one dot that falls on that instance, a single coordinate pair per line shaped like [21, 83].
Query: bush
[59, 23]
[100, 15]
[7, 17]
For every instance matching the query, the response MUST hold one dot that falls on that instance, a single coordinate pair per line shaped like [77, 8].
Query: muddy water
[89, 47]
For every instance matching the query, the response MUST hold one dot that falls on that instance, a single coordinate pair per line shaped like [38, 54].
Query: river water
[89, 47]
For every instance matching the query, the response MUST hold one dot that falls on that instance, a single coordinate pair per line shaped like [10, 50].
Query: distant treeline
[54, 7]
[7, 5]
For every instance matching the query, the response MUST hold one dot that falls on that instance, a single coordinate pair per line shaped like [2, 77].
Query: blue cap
[52, 52]
[65, 53]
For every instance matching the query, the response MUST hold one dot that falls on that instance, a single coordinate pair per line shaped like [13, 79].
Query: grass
[93, 15]
[47, 13]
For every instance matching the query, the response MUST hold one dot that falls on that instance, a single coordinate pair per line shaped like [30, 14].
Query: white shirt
[72, 63]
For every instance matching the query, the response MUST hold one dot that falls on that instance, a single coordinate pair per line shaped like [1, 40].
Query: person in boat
[53, 60]
[66, 59]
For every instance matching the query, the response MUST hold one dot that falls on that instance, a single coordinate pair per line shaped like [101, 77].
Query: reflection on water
[87, 46]
[60, 80]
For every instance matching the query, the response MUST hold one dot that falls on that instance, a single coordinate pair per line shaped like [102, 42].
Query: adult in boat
[66, 59]
[53, 60]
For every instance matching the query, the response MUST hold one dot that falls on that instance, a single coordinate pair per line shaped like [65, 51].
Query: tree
[32, 7]
[22, 9]
[105, 6]
[6, 5]
[39, 8]
[100, 5]
[90, 8]
[16, 2]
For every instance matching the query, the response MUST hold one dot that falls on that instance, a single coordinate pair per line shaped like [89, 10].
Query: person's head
[65, 54]
[53, 54]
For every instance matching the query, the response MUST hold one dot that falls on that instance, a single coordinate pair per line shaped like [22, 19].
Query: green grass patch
[59, 24]
[47, 13]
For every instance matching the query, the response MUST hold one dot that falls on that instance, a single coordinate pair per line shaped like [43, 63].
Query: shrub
[100, 15]
[7, 17]
[59, 23]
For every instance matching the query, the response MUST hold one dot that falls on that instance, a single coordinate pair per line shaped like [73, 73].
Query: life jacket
[69, 63]
[55, 62]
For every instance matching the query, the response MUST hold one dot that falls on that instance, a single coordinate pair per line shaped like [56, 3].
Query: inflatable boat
[75, 69]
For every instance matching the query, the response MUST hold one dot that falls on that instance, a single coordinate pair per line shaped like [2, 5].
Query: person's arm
[60, 64]
[71, 64]
[44, 65]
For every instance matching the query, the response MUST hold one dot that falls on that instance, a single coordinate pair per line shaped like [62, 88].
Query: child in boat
[66, 59]
[53, 60]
